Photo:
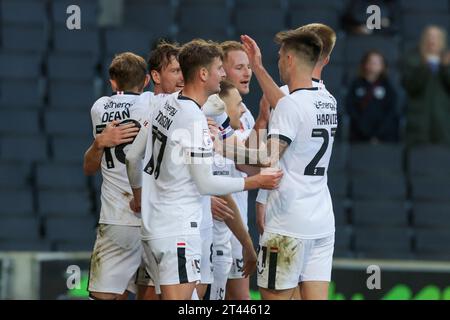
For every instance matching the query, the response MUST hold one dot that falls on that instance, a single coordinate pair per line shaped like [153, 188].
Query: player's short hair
[197, 54]
[161, 56]
[225, 87]
[128, 70]
[228, 46]
[306, 44]
[325, 33]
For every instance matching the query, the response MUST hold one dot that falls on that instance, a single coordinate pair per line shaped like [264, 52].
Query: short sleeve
[285, 120]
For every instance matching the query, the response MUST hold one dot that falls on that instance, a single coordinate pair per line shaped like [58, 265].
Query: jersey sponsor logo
[172, 110]
[320, 105]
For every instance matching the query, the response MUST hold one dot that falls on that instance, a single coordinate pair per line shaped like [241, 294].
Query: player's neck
[195, 93]
[158, 89]
[317, 73]
[304, 81]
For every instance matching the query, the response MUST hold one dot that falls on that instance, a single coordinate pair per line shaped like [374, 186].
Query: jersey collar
[309, 89]
[125, 92]
[181, 97]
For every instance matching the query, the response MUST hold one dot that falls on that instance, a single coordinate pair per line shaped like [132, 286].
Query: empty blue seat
[431, 214]
[76, 41]
[26, 245]
[420, 6]
[433, 243]
[148, 14]
[120, 40]
[23, 228]
[71, 67]
[300, 17]
[200, 15]
[424, 160]
[333, 77]
[379, 213]
[379, 187]
[70, 229]
[31, 38]
[65, 203]
[56, 122]
[14, 175]
[11, 93]
[25, 12]
[330, 5]
[340, 211]
[19, 65]
[20, 122]
[376, 159]
[339, 159]
[59, 176]
[72, 94]
[383, 242]
[16, 203]
[23, 148]
[430, 188]
[70, 149]
[343, 242]
[263, 21]
[338, 184]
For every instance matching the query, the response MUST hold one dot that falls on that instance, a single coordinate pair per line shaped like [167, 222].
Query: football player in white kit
[116, 119]
[165, 73]
[178, 171]
[296, 247]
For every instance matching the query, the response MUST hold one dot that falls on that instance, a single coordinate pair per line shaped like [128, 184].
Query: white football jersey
[116, 191]
[301, 207]
[171, 202]
[315, 83]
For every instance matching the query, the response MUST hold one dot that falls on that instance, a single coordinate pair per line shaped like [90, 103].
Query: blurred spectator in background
[426, 78]
[372, 102]
[355, 16]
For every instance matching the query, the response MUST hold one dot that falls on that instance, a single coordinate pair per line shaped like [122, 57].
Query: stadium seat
[148, 14]
[376, 159]
[338, 184]
[343, 242]
[124, 39]
[379, 187]
[431, 214]
[80, 123]
[300, 17]
[20, 122]
[379, 213]
[65, 203]
[24, 245]
[67, 94]
[429, 160]
[70, 149]
[24, 12]
[11, 93]
[23, 148]
[16, 203]
[414, 23]
[329, 5]
[23, 228]
[57, 176]
[333, 77]
[198, 16]
[70, 229]
[340, 211]
[433, 244]
[425, 6]
[339, 159]
[249, 23]
[75, 245]
[14, 175]
[71, 67]
[85, 41]
[31, 38]
[19, 65]
[383, 242]
[356, 46]
[430, 188]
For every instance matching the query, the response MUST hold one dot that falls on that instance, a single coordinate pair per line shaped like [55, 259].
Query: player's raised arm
[270, 89]
[111, 136]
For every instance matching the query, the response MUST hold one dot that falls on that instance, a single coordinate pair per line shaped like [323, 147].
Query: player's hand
[253, 52]
[269, 178]
[250, 259]
[220, 210]
[213, 129]
[135, 206]
[113, 134]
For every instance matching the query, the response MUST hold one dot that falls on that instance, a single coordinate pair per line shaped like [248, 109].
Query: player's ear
[155, 77]
[147, 80]
[203, 73]
[113, 85]
[326, 61]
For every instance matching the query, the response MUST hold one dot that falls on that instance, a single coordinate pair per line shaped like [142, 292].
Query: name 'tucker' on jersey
[116, 191]
[171, 202]
[302, 207]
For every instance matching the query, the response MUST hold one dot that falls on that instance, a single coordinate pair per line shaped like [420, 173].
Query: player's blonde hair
[128, 70]
[306, 44]
[230, 45]
[196, 54]
[326, 34]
